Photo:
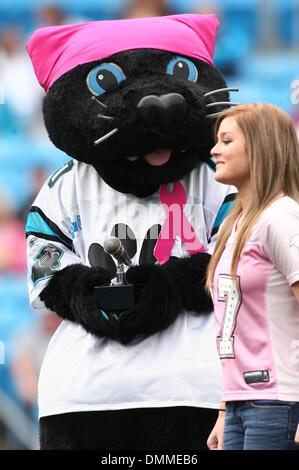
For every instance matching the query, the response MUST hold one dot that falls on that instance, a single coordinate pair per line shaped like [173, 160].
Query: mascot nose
[162, 110]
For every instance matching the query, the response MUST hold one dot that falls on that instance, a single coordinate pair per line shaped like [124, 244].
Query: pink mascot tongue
[158, 158]
[55, 50]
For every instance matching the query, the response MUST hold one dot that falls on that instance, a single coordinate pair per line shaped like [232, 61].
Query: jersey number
[229, 292]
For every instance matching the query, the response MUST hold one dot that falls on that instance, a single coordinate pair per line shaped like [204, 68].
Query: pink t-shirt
[257, 314]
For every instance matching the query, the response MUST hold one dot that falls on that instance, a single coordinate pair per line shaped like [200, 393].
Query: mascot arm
[59, 282]
[189, 276]
[69, 293]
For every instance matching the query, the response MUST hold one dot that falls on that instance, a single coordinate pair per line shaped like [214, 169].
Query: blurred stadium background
[257, 50]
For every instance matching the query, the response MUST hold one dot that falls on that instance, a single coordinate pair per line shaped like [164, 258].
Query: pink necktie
[176, 223]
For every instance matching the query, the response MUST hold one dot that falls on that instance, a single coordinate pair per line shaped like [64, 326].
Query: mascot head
[134, 98]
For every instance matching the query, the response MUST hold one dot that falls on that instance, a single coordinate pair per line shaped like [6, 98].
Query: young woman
[254, 279]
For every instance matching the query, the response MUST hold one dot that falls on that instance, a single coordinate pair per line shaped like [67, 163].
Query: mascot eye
[104, 77]
[182, 68]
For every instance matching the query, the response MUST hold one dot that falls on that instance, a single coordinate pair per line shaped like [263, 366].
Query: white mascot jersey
[81, 372]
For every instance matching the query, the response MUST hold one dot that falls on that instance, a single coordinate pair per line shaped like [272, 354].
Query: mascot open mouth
[159, 157]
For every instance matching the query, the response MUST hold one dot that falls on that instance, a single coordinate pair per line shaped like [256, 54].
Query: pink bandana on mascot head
[55, 50]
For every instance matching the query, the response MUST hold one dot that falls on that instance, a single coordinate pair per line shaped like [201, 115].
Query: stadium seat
[288, 21]
[18, 158]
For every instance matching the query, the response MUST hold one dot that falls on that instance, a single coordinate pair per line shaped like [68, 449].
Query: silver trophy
[113, 247]
[119, 295]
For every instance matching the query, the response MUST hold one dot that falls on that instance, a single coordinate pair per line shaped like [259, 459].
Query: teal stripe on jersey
[211, 164]
[223, 212]
[36, 224]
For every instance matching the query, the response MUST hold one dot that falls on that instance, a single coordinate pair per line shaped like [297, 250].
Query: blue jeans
[261, 425]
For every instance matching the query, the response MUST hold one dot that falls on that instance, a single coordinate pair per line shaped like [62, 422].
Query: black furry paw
[189, 276]
[157, 307]
[69, 293]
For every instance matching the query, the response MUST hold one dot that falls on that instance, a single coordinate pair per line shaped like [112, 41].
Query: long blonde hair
[273, 153]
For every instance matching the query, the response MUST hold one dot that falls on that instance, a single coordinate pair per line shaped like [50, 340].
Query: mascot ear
[205, 26]
[57, 49]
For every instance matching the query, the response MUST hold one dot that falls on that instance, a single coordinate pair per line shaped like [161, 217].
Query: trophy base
[116, 298]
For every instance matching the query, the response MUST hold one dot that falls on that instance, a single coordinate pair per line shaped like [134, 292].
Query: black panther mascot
[133, 103]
